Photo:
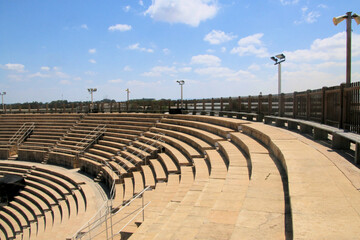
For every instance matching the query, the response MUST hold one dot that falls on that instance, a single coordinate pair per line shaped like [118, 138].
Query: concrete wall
[4, 153]
[31, 155]
[63, 159]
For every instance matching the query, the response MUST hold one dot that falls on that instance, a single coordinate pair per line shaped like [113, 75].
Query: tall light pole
[278, 59]
[336, 20]
[91, 91]
[181, 83]
[2, 100]
[128, 98]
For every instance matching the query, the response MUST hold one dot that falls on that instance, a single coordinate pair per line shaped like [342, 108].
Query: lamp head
[181, 82]
[280, 56]
[95, 89]
[337, 20]
[356, 18]
[4, 93]
[274, 59]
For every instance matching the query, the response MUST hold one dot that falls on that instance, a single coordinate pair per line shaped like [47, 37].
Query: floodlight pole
[2, 101]
[181, 83]
[91, 91]
[348, 49]
[278, 59]
[349, 16]
[128, 98]
[279, 79]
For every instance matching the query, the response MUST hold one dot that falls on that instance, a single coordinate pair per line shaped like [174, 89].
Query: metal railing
[91, 229]
[143, 148]
[84, 143]
[92, 136]
[22, 133]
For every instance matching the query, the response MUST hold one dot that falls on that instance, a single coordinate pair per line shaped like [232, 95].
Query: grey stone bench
[319, 131]
[342, 140]
[240, 115]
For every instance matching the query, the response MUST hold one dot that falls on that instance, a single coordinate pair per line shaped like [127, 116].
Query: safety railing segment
[21, 134]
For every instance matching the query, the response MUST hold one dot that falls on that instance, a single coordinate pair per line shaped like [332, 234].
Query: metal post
[181, 83]
[2, 101]
[128, 98]
[143, 213]
[279, 88]
[348, 49]
[279, 79]
[92, 101]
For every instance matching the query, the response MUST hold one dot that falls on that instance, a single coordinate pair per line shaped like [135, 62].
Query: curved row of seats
[48, 198]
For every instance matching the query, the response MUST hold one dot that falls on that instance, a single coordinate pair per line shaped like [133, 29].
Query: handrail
[22, 133]
[140, 210]
[94, 134]
[128, 158]
[98, 220]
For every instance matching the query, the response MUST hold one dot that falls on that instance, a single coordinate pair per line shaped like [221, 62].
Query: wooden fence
[337, 106]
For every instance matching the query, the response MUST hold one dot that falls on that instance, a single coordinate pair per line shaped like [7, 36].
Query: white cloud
[208, 60]
[289, 2]
[136, 46]
[92, 61]
[322, 6]
[252, 39]
[141, 3]
[65, 82]
[210, 50]
[61, 74]
[225, 73]
[92, 50]
[159, 70]
[190, 12]
[45, 68]
[14, 67]
[16, 78]
[90, 73]
[251, 45]
[223, 49]
[185, 69]
[116, 80]
[166, 51]
[254, 67]
[331, 48]
[126, 8]
[308, 16]
[120, 27]
[127, 69]
[322, 64]
[38, 74]
[84, 26]
[217, 37]
[143, 84]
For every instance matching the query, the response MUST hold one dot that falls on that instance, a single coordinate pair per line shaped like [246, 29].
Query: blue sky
[53, 50]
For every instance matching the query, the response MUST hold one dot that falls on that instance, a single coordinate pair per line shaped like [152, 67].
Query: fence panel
[333, 107]
[353, 110]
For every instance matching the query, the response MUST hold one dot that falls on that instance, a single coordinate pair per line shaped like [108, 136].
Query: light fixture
[278, 59]
[91, 91]
[128, 98]
[2, 100]
[336, 20]
[181, 83]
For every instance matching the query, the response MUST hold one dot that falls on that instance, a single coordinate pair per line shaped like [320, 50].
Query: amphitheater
[177, 176]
